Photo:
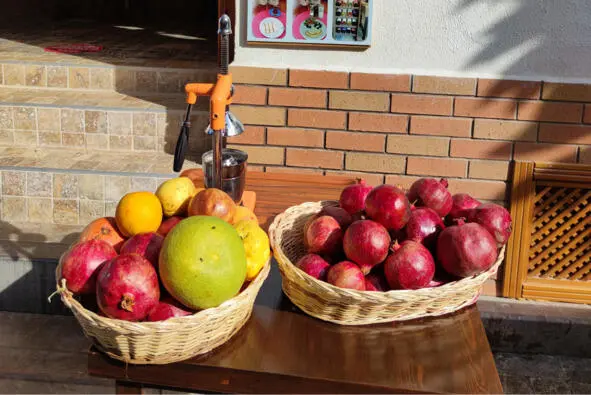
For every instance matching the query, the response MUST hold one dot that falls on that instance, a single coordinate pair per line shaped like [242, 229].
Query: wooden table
[282, 350]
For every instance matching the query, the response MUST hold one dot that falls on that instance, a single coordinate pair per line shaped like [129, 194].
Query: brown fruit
[213, 202]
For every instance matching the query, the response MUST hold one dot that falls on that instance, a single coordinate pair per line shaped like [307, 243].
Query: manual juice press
[223, 168]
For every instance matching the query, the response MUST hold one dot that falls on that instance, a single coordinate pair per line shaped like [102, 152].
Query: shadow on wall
[25, 279]
[530, 31]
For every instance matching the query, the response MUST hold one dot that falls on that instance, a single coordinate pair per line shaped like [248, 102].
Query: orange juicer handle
[220, 97]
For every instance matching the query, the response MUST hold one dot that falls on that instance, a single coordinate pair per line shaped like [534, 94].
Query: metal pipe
[216, 176]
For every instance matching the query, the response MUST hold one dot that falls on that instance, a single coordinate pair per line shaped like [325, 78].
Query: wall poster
[310, 22]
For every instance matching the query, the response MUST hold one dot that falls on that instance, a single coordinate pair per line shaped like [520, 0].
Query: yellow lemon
[256, 245]
[244, 213]
[138, 212]
[175, 194]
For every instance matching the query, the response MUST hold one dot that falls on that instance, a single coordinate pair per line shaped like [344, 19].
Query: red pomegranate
[145, 244]
[424, 226]
[167, 308]
[341, 215]
[494, 218]
[410, 266]
[168, 224]
[376, 282]
[346, 275]
[323, 236]
[389, 206]
[313, 265]
[428, 192]
[366, 243]
[466, 249]
[127, 288]
[461, 204]
[80, 265]
[353, 197]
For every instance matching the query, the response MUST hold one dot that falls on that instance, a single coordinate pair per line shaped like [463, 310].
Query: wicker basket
[349, 307]
[169, 341]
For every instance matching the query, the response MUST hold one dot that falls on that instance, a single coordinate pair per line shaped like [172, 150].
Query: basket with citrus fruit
[174, 274]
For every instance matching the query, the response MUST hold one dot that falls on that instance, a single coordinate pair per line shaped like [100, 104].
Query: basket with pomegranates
[327, 273]
[173, 289]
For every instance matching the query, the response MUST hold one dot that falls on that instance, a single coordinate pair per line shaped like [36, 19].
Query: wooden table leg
[127, 387]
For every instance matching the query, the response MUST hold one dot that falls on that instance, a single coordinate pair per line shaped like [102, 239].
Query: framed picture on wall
[310, 22]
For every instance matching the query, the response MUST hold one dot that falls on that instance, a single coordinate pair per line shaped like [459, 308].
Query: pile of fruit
[165, 254]
[384, 238]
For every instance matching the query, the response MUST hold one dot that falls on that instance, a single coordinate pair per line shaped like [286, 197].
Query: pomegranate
[494, 218]
[353, 197]
[341, 215]
[145, 244]
[466, 249]
[389, 206]
[168, 224]
[346, 274]
[376, 282]
[313, 265]
[323, 236]
[424, 226]
[366, 243]
[428, 192]
[80, 265]
[167, 308]
[127, 288]
[461, 204]
[410, 266]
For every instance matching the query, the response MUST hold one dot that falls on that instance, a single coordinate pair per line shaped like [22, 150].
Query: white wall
[529, 39]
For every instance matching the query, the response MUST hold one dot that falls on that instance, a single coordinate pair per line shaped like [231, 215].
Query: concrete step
[97, 120]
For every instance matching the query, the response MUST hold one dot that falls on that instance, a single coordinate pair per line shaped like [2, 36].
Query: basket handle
[61, 289]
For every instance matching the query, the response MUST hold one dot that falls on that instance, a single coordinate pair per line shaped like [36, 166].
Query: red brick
[441, 126]
[371, 122]
[550, 111]
[480, 149]
[370, 178]
[260, 115]
[436, 167]
[505, 130]
[479, 189]
[509, 88]
[246, 94]
[356, 141]
[485, 108]
[401, 181]
[251, 135]
[294, 97]
[376, 163]
[365, 101]
[489, 169]
[314, 158]
[545, 152]
[292, 170]
[418, 145]
[319, 79]
[262, 155]
[565, 133]
[587, 117]
[295, 137]
[444, 85]
[258, 75]
[585, 155]
[421, 104]
[380, 82]
[317, 118]
[566, 92]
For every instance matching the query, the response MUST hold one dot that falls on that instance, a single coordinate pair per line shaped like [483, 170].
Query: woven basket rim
[282, 259]
[151, 326]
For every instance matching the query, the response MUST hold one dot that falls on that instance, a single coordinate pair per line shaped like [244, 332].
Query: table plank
[282, 350]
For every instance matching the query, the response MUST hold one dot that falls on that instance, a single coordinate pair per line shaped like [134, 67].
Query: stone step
[152, 69]
[69, 187]
[97, 120]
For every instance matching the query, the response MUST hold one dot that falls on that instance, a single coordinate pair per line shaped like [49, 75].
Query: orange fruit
[138, 212]
[243, 214]
[103, 229]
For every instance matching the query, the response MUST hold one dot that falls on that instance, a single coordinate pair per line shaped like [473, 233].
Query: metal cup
[233, 171]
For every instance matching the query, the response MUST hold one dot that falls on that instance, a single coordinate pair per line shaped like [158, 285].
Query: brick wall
[397, 128]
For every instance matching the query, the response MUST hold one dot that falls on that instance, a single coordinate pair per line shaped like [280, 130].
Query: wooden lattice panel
[549, 253]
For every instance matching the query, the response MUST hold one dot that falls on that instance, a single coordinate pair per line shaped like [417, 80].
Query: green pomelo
[202, 262]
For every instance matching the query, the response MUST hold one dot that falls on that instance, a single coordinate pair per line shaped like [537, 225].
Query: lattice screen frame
[551, 211]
